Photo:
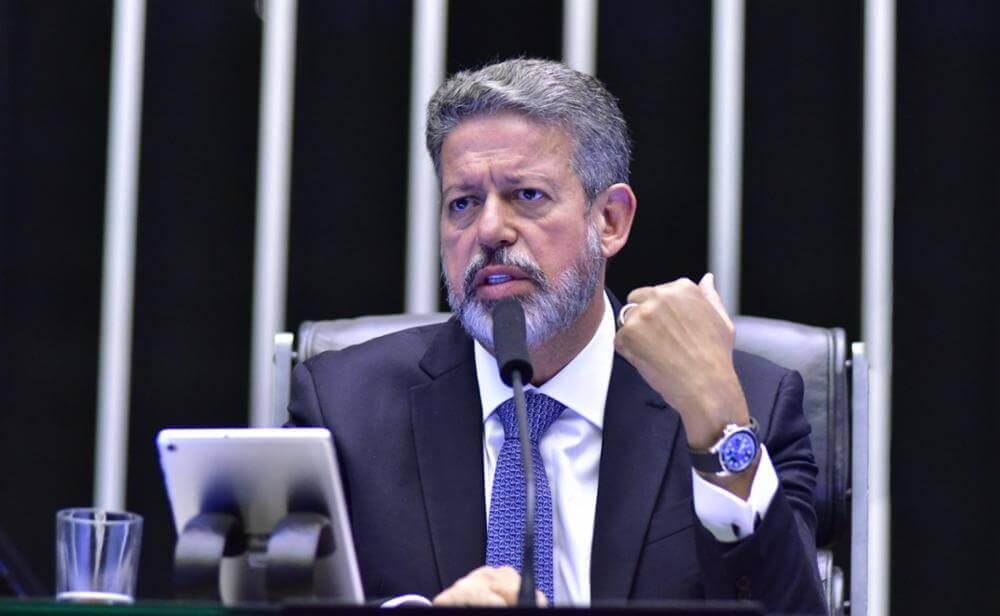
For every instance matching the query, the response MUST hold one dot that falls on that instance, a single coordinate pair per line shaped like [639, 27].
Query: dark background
[802, 230]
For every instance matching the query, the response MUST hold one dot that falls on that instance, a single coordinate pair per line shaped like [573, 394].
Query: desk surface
[49, 606]
[153, 608]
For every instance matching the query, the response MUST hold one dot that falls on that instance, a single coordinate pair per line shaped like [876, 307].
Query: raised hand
[680, 339]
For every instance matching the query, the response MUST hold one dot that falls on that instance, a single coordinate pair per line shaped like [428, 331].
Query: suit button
[743, 587]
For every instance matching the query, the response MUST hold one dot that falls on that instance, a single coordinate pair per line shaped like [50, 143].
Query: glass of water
[97, 555]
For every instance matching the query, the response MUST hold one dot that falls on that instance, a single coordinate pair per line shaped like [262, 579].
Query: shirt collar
[582, 384]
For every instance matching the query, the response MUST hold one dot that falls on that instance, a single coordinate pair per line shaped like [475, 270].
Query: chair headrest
[314, 337]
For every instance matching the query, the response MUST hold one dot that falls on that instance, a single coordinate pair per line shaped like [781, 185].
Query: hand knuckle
[508, 571]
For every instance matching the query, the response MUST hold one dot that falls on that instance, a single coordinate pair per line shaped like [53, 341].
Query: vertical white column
[579, 50]
[430, 30]
[860, 484]
[274, 143]
[876, 321]
[725, 173]
[121, 195]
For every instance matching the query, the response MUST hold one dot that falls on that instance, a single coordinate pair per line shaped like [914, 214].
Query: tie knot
[542, 413]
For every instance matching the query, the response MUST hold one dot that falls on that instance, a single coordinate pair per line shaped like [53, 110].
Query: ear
[614, 211]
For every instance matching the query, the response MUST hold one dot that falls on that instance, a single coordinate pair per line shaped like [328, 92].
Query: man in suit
[533, 161]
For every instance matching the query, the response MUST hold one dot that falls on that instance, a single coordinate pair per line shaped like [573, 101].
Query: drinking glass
[97, 555]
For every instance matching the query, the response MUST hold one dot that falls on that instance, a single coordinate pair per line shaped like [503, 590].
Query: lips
[498, 279]
[496, 275]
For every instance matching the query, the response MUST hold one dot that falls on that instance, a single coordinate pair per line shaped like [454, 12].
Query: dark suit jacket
[407, 421]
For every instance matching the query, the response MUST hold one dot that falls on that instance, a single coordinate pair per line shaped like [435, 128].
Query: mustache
[502, 256]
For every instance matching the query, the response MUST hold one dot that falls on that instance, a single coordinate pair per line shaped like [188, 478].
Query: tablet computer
[262, 474]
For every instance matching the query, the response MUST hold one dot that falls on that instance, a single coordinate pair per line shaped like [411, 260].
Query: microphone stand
[511, 350]
[526, 594]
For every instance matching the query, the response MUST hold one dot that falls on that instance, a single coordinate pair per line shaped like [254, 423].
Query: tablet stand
[200, 548]
[295, 550]
[297, 544]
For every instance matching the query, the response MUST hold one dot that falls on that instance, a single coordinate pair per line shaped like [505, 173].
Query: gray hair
[546, 92]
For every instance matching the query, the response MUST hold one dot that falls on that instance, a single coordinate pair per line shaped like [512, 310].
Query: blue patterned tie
[505, 530]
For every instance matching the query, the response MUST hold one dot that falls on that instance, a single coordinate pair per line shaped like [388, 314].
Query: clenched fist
[680, 339]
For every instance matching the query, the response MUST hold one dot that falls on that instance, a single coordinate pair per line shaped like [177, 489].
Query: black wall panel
[802, 163]
[483, 32]
[194, 259]
[947, 325]
[654, 57]
[347, 243]
[54, 60]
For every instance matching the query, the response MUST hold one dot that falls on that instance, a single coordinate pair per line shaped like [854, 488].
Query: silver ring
[624, 311]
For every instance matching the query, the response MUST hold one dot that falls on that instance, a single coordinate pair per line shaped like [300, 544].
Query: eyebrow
[462, 187]
[518, 178]
[547, 182]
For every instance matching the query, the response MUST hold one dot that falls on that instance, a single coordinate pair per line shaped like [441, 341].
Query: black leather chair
[836, 403]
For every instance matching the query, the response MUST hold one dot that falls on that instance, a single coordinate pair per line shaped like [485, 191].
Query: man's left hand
[486, 587]
[680, 339]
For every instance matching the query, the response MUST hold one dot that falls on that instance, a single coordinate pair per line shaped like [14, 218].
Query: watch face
[738, 452]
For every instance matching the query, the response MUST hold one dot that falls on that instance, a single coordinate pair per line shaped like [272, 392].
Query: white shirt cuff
[728, 517]
[408, 601]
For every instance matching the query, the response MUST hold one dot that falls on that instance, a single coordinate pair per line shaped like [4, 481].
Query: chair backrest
[818, 353]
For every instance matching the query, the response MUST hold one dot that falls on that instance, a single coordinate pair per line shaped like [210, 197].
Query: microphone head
[509, 340]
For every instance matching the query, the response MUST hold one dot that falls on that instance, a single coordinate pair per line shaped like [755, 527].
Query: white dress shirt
[571, 453]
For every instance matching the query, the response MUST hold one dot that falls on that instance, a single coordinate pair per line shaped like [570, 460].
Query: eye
[460, 205]
[529, 194]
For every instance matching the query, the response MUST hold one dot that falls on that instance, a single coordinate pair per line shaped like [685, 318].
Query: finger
[623, 313]
[540, 599]
[486, 572]
[451, 597]
[640, 295]
[461, 598]
[489, 599]
[622, 346]
[471, 590]
[707, 286]
[644, 293]
[506, 582]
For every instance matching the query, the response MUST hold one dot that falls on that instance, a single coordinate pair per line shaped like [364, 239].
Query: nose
[495, 224]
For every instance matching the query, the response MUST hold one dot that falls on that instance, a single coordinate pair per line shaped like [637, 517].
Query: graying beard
[549, 310]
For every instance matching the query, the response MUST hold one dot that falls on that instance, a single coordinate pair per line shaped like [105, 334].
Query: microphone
[511, 348]
[509, 341]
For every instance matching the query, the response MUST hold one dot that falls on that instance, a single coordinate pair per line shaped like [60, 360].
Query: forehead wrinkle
[544, 154]
[519, 177]
[469, 174]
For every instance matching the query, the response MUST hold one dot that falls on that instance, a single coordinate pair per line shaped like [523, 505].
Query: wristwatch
[731, 454]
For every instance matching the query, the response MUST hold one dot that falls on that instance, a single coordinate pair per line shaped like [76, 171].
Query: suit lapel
[448, 431]
[639, 435]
